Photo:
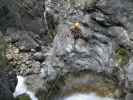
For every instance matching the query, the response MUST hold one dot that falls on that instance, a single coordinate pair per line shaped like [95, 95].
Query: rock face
[23, 15]
[8, 82]
[84, 82]
[104, 28]
[26, 42]
[103, 37]
[129, 96]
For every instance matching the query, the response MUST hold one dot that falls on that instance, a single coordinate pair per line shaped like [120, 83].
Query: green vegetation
[23, 97]
[122, 56]
[51, 35]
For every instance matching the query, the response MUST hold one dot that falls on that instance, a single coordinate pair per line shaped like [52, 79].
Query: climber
[76, 25]
[77, 32]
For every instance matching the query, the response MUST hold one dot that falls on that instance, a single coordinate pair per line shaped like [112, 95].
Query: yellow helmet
[77, 25]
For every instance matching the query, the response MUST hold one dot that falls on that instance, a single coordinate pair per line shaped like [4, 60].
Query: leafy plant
[23, 97]
[122, 56]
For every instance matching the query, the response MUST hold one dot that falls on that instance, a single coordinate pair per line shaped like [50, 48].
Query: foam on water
[91, 96]
[22, 89]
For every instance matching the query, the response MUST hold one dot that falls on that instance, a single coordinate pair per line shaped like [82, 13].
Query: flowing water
[91, 96]
[80, 86]
[85, 86]
[21, 89]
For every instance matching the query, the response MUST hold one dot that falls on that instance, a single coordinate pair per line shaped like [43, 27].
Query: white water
[22, 89]
[91, 96]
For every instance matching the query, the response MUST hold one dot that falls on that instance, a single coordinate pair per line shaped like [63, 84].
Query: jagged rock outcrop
[105, 31]
[106, 26]
[8, 82]
[24, 15]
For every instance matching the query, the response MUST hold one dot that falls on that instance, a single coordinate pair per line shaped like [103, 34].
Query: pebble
[38, 56]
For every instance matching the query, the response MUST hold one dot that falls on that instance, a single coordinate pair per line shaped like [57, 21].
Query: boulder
[8, 82]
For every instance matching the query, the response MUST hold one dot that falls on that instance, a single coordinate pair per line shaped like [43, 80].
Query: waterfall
[21, 89]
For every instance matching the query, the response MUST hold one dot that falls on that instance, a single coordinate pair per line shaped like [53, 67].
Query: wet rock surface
[105, 31]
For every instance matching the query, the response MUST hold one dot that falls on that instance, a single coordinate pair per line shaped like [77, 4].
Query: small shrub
[23, 97]
[122, 56]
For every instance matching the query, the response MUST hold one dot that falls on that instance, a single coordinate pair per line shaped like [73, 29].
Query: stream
[81, 86]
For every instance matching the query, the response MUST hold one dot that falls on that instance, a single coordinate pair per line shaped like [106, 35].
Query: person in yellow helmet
[75, 30]
[76, 25]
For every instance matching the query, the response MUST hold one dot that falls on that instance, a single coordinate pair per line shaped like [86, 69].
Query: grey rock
[39, 56]
[87, 19]
[5, 93]
[130, 72]
[118, 11]
[24, 40]
[129, 96]
[11, 30]
[120, 34]
[22, 14]
[8, 82]
[131, 36]
[48, 72]
[34, 25]
[36, 67]
[79, 55]
[104, 28]
[35, 82]
[1, 34]
[7, 17]
[27, 43]
[102, 19]
[97, 53]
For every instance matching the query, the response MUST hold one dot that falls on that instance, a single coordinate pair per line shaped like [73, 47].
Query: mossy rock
[122, 56]
[23, 97]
